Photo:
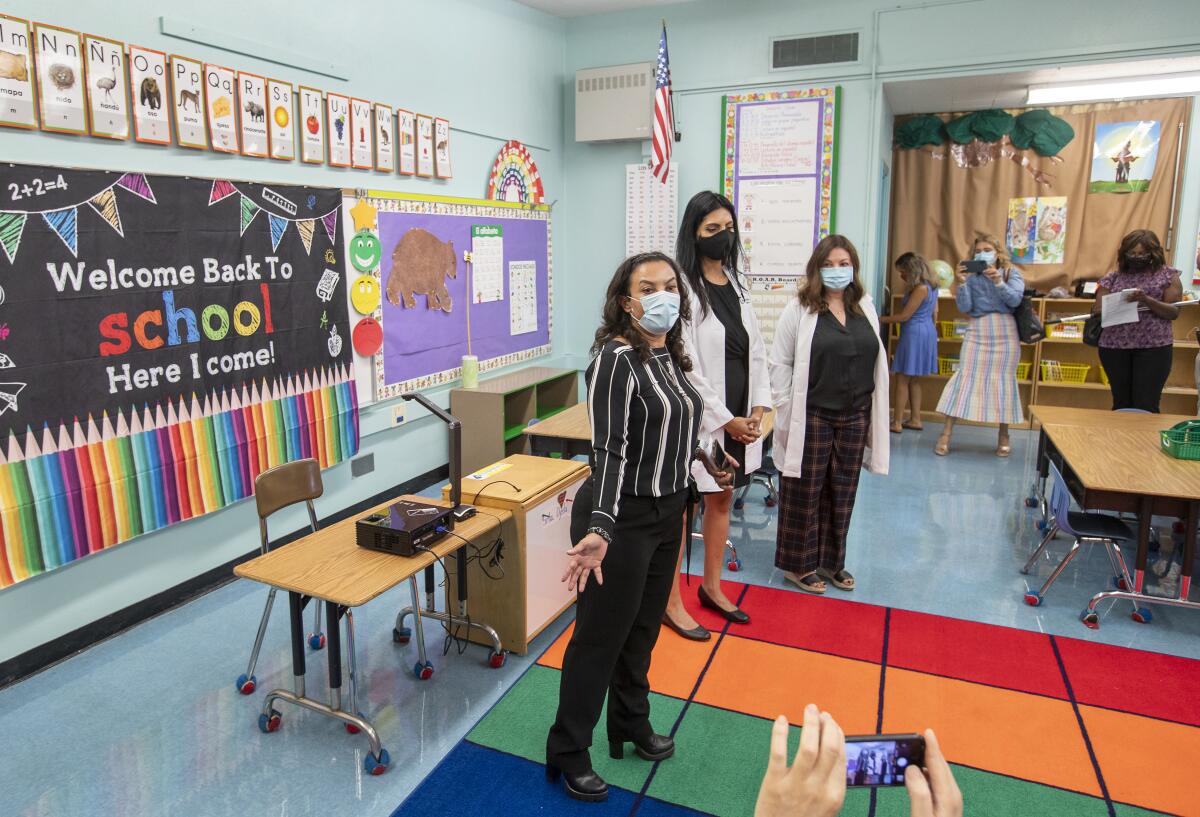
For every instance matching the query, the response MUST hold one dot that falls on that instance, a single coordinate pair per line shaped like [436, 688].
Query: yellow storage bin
[1055, 372]
[947, 365]
[951, 329]
[1103, 376]
[1023, 369]
[1066, 329]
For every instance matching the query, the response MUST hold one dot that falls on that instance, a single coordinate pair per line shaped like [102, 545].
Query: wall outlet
[398, 414]
[361, 466]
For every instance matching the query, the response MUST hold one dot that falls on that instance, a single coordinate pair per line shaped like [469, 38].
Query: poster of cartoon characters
[1123, 156]
[1022, 229]
[1037, 230]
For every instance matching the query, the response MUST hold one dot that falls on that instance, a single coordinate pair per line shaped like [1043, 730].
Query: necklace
[668, 371]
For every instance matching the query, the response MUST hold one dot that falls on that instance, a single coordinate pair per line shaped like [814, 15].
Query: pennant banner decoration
[192, 365]
[305, 228]
[330, 222]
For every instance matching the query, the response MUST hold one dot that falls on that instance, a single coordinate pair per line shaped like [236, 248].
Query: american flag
[664, 114]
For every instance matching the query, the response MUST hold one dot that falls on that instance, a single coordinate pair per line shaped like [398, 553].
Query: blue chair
[1084, 527]
[1134, 410]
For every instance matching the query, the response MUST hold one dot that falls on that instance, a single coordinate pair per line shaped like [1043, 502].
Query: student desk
[1111, 461]
[328, 565]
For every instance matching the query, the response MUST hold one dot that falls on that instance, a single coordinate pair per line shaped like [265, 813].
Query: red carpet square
[998, 656]
[1145, 683]
[792, 618]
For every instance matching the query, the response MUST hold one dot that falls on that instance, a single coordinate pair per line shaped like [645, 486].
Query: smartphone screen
[975, 266]
[718, 456]
[880, 760]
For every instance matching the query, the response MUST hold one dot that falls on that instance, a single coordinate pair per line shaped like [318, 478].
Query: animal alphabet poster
[187, 97]
[424, 145]
[406, 138]
[148, 73]
[385, 138]
[337, 108]
[362, 132]
[60, 79]
[312, 126]
[281, 118]
[17, 109]
[105, 73]
[1037, 230]
[441, 148]
[219, 100]
[252, 111]
[201, 352]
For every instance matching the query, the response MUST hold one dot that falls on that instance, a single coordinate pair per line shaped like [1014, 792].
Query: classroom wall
[440, 58]
[718, 47]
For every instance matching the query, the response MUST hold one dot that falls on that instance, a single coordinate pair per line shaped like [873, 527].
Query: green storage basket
[1182, 441]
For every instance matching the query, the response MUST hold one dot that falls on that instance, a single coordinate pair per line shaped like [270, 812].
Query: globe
[944, 271]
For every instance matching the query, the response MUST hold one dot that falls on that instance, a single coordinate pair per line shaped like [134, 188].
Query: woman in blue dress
[916, 353]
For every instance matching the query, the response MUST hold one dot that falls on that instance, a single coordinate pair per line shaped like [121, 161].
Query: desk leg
[1189, 549]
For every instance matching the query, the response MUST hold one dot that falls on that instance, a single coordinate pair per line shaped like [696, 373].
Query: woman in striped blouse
[627, 520]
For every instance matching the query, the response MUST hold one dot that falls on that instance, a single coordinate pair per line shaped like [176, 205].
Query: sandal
[1003, 449]
[913, 427]
[810, 583]
[943, 446]
[841, 579]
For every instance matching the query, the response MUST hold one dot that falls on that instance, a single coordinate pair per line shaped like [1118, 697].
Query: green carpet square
[519, 722]
[986, 793]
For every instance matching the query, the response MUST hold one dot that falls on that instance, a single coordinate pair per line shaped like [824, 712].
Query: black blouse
[841, 369]
[645, 421]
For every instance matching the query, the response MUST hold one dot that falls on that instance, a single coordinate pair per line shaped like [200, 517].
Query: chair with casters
[764, 476]
[1084, 527]
[274, 490]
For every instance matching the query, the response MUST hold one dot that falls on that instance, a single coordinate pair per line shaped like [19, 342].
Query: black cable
[449, 611]
[479, 493]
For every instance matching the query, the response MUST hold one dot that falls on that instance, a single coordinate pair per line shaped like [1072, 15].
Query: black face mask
[716, 246]
[1137, 262]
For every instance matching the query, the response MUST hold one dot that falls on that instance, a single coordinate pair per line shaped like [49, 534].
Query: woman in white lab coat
[727, 350]
[829, 382]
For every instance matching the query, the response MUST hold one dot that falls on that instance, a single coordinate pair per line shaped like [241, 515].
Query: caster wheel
[351, 728]
[738, 504]
[270, 723]
[1033, 598]
[1119, 583]
[376, 765]
[496, 660]
[423, 671]
[1142, 615]
[316, 641]
[1090, 619]
[245, 685]
[1041, 525]
[1031, 502]
[770, 502]
[401, 635]
[734, 565]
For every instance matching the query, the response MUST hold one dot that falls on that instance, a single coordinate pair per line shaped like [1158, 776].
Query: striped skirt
[984, 389]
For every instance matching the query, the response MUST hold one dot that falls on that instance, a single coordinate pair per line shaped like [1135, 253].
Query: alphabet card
[148, 79]
[362, 129]
[337, 108]
[281, 114]
[187, 92]
[424, 145]
[60, 79]
[252, 111]
[219, 101]
[385, 138]
[441, 148]
[17, 109]
[105, 74]
[312, 126]
[406, 138]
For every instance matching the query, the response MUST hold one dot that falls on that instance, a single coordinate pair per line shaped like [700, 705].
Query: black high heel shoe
[588, 786]
[655, 747]
[735, 615]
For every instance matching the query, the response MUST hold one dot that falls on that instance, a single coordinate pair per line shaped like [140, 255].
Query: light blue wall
[719, 46]
[434, 57]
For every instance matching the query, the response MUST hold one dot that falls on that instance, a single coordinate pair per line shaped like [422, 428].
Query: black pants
[1137, 376]
[616, 627]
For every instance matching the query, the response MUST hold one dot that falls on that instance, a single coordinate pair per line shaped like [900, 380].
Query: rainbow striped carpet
[1034, 724]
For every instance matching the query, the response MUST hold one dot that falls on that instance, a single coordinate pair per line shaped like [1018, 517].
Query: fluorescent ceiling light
[1127, 88]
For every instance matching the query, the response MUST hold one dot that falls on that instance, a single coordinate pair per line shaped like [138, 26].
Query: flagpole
[670, 91]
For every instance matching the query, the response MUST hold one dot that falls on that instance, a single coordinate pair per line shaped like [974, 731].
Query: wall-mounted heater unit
[614, 103]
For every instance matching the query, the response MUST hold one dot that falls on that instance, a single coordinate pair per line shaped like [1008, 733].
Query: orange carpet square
[768, 680]
[1012, 733]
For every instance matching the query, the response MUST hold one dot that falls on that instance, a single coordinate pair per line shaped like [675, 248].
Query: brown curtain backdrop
[938, 206]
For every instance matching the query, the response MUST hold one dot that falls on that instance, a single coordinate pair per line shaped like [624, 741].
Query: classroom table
[1112, 461]
[328, 565]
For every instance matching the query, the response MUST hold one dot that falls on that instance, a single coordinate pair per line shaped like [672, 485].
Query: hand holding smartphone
[977, 267]
[881, 760]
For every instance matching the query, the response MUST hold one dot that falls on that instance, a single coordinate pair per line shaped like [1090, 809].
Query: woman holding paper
[1137, 356]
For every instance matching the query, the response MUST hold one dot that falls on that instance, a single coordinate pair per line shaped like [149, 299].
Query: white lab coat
[789, 389]
[704, 340]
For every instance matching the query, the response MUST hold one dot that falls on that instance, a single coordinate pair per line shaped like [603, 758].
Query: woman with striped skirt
[984, 389]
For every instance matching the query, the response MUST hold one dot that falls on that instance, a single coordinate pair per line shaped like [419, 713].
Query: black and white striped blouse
[645, 421]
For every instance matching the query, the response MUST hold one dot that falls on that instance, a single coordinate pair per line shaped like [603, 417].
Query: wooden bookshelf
[1179, 396]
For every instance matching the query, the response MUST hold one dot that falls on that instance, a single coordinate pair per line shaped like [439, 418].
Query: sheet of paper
[522, 297]
[651, 210]
[487, 263]
[1115, 309]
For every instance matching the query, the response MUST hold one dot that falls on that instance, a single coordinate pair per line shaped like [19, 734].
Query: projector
[404, 527]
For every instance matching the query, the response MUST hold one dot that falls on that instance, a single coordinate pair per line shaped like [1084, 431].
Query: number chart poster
[163, 340]
[428, 322]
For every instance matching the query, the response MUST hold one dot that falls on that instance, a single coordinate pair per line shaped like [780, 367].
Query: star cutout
[364, 216]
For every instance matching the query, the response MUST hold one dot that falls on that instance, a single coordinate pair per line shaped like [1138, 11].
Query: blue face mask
[989, 257]
[837, 277]
[660, 311]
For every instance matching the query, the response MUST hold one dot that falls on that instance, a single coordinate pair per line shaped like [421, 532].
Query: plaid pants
[815, 508]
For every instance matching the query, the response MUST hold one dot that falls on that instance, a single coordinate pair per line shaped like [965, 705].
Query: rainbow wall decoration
[81, 488]
[515, 177]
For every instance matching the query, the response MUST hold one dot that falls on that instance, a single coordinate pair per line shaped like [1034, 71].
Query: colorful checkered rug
[1034, 724]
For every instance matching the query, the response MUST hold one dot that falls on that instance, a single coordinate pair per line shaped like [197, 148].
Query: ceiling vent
[823, 49]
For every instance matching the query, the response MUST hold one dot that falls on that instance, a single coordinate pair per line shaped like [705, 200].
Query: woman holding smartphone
[626, 520]
[984, 389]
[725, 346]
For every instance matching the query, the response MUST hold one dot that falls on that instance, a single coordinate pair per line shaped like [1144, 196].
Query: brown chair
[274, 490]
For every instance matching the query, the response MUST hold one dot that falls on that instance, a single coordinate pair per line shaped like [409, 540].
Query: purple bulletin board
[423, 345]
